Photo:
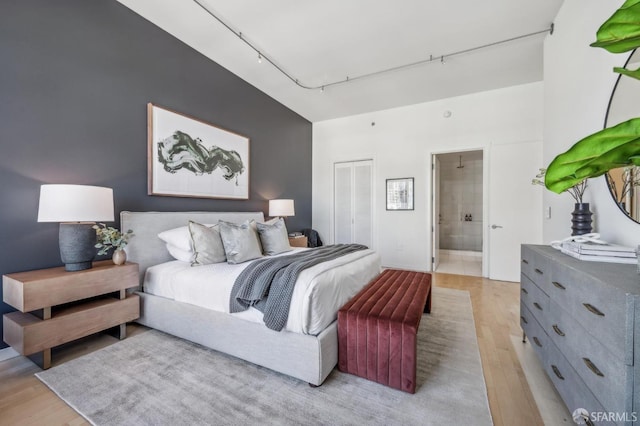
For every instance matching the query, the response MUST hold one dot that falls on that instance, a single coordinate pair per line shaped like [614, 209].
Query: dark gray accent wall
[75, 79]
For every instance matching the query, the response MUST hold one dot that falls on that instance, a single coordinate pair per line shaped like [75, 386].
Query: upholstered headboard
[146, 249]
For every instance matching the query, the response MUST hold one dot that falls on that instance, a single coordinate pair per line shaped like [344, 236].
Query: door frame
[432, 221]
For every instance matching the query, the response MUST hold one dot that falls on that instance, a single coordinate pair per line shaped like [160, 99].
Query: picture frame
[400, 193]
[188, 157]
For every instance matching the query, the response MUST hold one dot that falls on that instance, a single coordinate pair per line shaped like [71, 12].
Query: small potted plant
[111, 238]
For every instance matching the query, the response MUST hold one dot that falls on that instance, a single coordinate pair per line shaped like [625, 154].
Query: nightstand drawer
[28, 334]
[298, 241]
[32, 290]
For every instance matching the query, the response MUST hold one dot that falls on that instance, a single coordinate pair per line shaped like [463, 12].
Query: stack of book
[599, 252]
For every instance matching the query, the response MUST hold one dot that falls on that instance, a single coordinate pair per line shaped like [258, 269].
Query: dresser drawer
[534, 332]
[536, 267]
[600, 309]
[607, 376]
[534, 299]
[570, 386]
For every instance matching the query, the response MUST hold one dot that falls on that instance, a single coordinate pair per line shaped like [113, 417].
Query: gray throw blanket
[268, 284]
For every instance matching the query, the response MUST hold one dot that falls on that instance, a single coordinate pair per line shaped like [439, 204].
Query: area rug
[156, 379]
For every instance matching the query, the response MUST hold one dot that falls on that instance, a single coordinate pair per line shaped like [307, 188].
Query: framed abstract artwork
[400, 194]
[188, 157]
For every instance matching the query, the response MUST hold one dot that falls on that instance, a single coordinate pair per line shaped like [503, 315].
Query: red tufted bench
[377, 328]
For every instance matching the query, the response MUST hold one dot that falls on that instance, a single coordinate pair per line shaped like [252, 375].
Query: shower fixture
[460, 166]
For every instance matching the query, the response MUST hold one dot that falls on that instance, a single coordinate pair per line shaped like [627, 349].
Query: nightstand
[300, 241]
[57, 306]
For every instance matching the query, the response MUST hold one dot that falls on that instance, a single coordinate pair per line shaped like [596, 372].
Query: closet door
[342, 193]
[353, 202]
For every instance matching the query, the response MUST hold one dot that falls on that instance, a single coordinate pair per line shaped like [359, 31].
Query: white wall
[401, 143]
[578, 81]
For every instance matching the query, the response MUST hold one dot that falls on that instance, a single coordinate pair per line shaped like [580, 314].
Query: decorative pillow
[207, 244]
[274, 238]
[241, 242]
[179, 254]
[177, 237]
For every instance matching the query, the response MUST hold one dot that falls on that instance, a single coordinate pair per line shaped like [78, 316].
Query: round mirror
[624, 183]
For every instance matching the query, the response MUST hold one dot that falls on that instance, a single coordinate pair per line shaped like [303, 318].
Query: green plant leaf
[629, 73]
[621, 32]
[594, 155]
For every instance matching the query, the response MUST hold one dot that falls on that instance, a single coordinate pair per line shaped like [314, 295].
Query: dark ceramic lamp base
[77, 245]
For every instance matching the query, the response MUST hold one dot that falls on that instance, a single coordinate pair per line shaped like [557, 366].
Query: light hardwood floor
[24, 400]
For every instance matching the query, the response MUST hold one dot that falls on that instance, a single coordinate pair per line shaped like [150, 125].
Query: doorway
[458, 212]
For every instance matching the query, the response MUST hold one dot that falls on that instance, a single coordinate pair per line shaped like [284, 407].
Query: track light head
[259, 58]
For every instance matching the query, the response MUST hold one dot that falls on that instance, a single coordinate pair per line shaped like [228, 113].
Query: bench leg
[427, 305]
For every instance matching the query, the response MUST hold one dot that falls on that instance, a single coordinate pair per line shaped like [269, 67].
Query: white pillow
[178, 237]
[179, 254]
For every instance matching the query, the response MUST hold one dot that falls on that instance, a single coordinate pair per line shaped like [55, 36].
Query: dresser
[583, 321]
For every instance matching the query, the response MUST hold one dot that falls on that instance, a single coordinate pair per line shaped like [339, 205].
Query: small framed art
[188, 157]
[400, 194]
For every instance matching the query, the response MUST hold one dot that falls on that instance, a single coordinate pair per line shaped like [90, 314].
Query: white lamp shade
[75, 203]
[281, 208]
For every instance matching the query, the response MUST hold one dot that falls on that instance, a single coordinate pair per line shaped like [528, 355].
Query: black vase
[581, 219]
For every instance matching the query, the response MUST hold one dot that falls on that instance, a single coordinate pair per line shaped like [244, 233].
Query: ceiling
[320, 42]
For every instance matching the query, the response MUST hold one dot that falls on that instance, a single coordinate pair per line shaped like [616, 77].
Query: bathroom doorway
[458, 212]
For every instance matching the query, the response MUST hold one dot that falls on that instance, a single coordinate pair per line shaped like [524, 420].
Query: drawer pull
[525, 261]
[558, 285]
[524, 290]
[537, 306]
[593, 309]
[557, 330]
[524, 320]
[593, 367]
[535, 339]
[557, 372]
[539, 271]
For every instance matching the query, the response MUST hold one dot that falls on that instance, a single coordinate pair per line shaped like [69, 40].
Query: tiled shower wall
[460, 197]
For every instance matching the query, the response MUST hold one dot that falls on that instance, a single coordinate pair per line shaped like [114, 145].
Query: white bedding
[318, 295]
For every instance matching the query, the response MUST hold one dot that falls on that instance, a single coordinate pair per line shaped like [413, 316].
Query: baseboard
[549, 402]
[8, 353]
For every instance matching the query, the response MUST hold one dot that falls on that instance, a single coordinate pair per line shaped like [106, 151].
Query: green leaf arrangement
[110, 238]
[613, 147]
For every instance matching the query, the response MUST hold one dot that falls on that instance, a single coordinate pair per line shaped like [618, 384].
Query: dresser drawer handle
[537, 306]
[524, 290]
[593, 367]
[524, 320]
[557, 372]
[593, 309]
[557, 330]
[539, 271]
[558, 285]
[525, 261]
[535, 339]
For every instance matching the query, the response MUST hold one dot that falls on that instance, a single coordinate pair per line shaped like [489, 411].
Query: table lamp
[77, 208]
[281, 208]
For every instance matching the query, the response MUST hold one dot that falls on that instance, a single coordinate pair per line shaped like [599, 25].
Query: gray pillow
[207, 244]
[274, 237]
[240, 241]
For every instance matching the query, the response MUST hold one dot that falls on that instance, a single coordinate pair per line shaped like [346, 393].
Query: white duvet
[318, 295]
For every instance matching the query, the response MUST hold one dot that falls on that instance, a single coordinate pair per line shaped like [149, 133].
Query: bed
[304, 350]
